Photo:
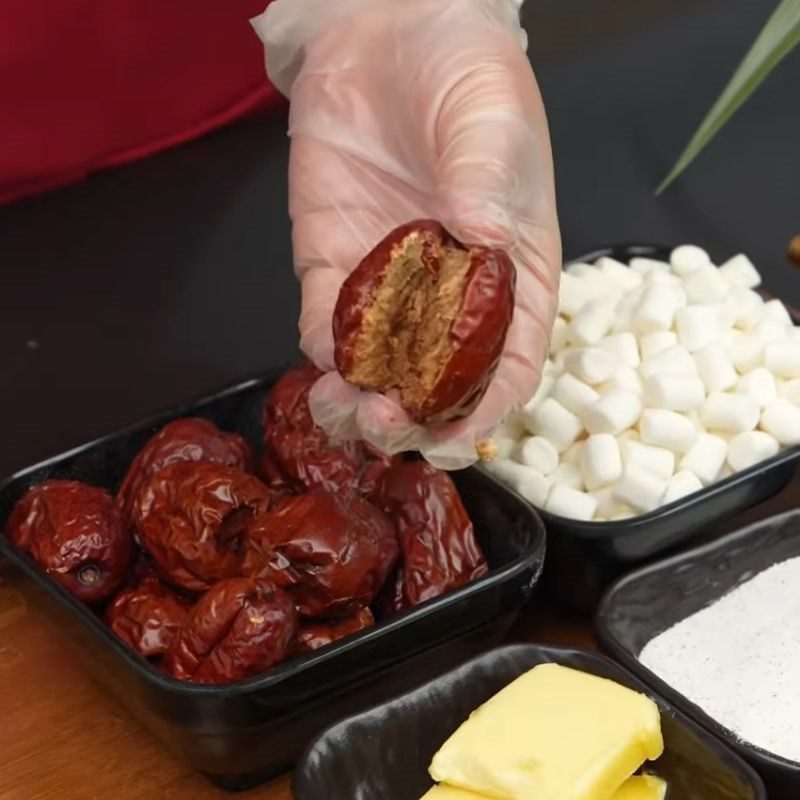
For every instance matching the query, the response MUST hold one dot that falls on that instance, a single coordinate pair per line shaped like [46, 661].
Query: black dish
[594, 554]
[648, 602]
[244, 733]
[384, 753]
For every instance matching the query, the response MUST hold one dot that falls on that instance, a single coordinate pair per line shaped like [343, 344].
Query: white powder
[739, 659]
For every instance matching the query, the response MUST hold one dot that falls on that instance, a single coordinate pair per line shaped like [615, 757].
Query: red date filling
[404, 342]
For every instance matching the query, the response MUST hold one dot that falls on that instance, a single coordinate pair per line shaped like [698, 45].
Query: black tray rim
[555, 652]
[534, 558]
[621, 654]
[631, 527]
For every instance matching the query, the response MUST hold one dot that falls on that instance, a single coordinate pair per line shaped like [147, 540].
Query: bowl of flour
[716, 630]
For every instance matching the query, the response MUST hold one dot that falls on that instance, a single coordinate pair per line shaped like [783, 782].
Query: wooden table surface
[62, 738]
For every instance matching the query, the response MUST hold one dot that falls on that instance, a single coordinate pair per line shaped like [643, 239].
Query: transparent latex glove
[402, 109]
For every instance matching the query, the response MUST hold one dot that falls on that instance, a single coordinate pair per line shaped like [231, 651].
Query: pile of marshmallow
[662, 379]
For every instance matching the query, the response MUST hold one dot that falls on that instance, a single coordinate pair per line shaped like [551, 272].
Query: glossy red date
[314, 635]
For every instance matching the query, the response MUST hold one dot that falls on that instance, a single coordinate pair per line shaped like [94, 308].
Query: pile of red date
[215, 566]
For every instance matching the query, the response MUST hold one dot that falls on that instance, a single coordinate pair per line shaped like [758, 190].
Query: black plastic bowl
[384, 753]
[584, 558]
[241, 734]
[648, 602]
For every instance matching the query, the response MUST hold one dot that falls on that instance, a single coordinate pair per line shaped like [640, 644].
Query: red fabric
[86, 84]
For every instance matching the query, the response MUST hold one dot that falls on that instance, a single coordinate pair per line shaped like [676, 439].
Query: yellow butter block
[553, 734]
[445, 792]
[642, 787]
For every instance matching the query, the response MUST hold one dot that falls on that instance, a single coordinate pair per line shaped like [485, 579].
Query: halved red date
[188, 439]
[439, 551]
[237, 629]
[314, 635]
[76, 534]
[191, 518]
[147, 617]
[426, 316]
[331, 553]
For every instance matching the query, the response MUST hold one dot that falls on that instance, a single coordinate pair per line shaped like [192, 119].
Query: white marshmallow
[525, 481]
[543, 391]
[747, 351]
[770, 330]
[706, 457]
[782, 420]
[574, 394]
[625, 310]
[573, 454]
[558, 338]
[662, 279]
[674, 392]
[658, 460]
[497, 447]
[790, 390]
[568, 475]
[739, 271]
[539, 453]
[625, 378]
[623, 348]
[646, 265]
[630, 435]
[652, 344]
[601, 462]
[592, 365]
[744, 307]
[687, 258]
[618, 273]
[697, 326]
[681, 485]
[639, 488]
[594, 320]
[613, 412]
[705, 285]
[777, 311]
[607, 506]
[715, 368]
[750, 448]
[554, 422]
[668, 429]
[656, 309]
[675, 360]
[565, 501]
[624, 513]
[573, 294]
[731, 413]
[783, 357]
[760, 385]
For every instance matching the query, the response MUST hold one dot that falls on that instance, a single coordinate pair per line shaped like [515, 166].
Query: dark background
[157, 282]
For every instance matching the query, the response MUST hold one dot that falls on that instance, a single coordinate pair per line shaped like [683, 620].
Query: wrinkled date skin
[314, 635]
[439, 551]
[191, 518]
[190, 439]
[297, 454]
[399, 325]
[331, 553]
[147, 616]
[238, 628]
[75, 533]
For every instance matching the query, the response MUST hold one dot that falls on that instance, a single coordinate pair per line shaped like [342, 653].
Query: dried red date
[297, 452]
[426, 316]
[190, 439]
[314, 635]
[147, 616]
[331, 553]
[238, 628]
[75, 533]
[191, 518]
[439, 551]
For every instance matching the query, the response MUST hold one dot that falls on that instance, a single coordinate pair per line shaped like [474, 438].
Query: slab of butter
[553, 734]
[639, 787]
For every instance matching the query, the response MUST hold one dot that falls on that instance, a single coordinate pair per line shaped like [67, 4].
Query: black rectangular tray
[584, 558]
[384, 753]
[241, 734]
[646, 603]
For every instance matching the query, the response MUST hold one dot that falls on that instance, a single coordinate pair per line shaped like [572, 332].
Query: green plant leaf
[774, 43]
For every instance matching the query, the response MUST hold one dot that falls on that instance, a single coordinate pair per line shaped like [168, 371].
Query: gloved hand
[402, 109]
